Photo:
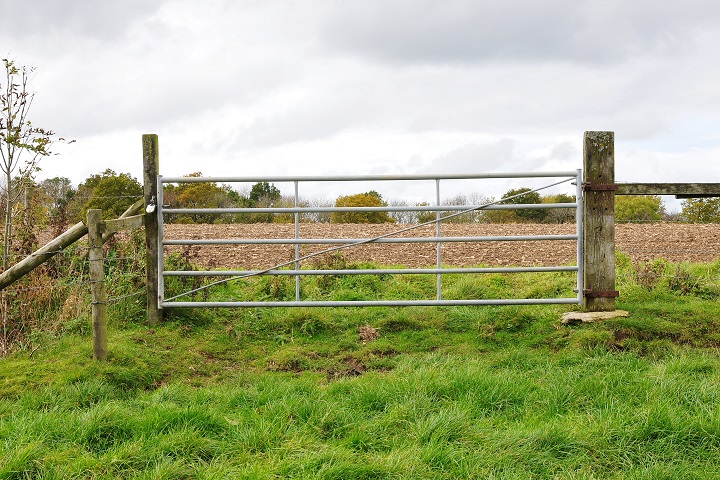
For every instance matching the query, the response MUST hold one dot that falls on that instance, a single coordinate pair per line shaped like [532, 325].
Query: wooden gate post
[151, 160]
[599, 221]
[97, 284]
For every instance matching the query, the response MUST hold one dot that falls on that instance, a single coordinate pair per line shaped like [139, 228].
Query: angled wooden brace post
[55, 246]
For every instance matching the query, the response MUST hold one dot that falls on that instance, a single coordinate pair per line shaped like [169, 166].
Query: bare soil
[671, 241]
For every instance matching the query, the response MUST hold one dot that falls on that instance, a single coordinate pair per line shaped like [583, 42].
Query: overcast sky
[279, 87]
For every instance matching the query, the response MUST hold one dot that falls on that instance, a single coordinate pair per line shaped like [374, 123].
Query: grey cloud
[469, 31]
[91, 18]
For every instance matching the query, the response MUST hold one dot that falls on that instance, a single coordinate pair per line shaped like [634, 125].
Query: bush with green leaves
[638, 208]
[701, 210]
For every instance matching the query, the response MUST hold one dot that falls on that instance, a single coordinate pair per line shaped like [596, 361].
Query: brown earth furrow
[674, 242]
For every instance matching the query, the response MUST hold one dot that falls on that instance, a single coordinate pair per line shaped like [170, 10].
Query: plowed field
[674, 242]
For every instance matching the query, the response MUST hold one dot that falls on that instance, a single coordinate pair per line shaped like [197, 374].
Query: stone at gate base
[572, 318]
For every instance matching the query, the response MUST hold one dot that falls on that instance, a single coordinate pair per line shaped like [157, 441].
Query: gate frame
[438, 271]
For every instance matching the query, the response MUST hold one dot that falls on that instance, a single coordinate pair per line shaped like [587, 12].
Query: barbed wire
[124, 297]
[673, 222]
[24, 289]
[61, 251]
[87, 197]
[130, 257]
[623, 250]
[57, 286]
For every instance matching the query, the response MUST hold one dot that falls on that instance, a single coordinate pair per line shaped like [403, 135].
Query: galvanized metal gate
[296, 268]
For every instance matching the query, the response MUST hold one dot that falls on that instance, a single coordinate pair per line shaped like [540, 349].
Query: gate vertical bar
[160, 236]
[297, 245]
[438, 285]
[599, 219]
[151, 160]
[579, 232]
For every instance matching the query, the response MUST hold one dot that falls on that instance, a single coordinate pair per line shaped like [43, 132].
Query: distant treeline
[56, 203]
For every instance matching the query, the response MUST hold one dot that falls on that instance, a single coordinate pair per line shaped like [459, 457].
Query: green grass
[460, 392]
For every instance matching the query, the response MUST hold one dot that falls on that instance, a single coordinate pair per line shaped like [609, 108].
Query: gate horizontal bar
[375, 303]
[374, 271]
[427, 208]
[366, 178]
[366, 241]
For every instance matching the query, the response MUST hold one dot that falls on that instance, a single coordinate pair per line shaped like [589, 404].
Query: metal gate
[295, 266]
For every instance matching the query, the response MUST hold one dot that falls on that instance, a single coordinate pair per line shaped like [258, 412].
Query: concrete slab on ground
[590, 317]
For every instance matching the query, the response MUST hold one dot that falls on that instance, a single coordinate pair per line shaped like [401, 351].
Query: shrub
[370, 199]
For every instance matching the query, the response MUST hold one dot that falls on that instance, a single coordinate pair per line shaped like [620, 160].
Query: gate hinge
[601, 293]
[599, 187]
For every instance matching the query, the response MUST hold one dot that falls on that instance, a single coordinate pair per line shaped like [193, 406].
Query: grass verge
[462, 392]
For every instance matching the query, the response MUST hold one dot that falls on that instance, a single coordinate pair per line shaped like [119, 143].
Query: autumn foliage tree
[198, 195]
[369, 199]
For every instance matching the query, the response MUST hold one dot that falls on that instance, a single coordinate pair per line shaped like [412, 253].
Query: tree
[461, 200]
[701, 210]
[425, 216]
[519, 196]
[199, 195]
[638, 208]
[264, 193]
[369, 199]
[59, 192]
[560, 215]
[22, 144]
[109, 191]
[318, 217]
[401, 217]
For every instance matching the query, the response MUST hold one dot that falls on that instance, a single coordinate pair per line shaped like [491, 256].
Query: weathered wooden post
[151, 160]
[599, 221]
[97, 284]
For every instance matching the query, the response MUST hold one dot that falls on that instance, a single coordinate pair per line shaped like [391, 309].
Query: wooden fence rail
[680, 190]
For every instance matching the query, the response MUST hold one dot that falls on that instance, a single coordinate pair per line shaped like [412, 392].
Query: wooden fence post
[599, 221]
[151, 160]
[97, 284]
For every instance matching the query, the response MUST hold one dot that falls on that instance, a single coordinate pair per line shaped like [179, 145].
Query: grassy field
[406, 393]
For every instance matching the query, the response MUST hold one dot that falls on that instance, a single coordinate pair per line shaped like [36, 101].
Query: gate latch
[151, 206]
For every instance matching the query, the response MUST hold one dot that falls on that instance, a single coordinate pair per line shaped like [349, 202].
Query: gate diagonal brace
[601, 293]
[599, 187]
